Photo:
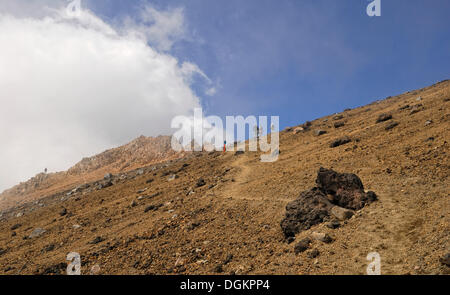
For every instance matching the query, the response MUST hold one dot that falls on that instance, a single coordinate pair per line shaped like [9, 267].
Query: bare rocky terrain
[138, 153]
[384, 188]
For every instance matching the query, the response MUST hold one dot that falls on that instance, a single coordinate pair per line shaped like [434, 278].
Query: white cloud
[71, 88]
[211, 91]
[160, 28]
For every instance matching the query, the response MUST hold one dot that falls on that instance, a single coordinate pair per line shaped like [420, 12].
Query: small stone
[201, 182]
[325, 238]
[49, 248]
[320, 132]
[383, 118]
[228, 259]
[96, 240]
[415, 109]
[180, 261]
[15, 226]
[218, 268]
[297, 130]
[314, 253]
[340, 141]
[63, 212]
[36, 233]
[95, 270]
[428, 122]
[108, 176]
[150, 208]
[391, 125]
[445, 260]
[339, 124]
[192, 225]
[133, 203]
[302, 246]
[333, 224]
[172, 177]
[341, 213]
[141, 190]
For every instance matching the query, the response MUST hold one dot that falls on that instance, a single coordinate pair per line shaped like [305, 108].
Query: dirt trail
[237, 187]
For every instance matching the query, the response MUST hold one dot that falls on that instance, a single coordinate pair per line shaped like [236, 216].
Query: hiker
[257, 131]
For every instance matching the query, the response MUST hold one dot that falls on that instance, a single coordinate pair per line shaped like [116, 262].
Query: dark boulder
[309, 209]
[346, 188]
[333, 190]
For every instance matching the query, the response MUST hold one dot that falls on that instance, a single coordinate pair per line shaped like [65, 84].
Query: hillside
[139, 152]
[215, 213]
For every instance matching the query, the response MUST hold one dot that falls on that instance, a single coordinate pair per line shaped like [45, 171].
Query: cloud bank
[72, 87]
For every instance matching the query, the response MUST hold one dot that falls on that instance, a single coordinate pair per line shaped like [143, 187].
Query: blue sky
[305, 59]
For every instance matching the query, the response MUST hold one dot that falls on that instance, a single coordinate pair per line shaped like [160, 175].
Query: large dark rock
[313, 206]
[346, 189]
[309, 209]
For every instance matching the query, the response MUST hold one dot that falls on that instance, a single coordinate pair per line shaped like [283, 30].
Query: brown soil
[232, 223]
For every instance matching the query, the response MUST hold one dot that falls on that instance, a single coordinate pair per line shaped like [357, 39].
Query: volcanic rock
[346, 188]
[383, 118]
[340, 141]
[334, 190]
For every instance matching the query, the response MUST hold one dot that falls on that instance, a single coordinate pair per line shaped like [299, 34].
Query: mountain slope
[138, 153]
[210, 213]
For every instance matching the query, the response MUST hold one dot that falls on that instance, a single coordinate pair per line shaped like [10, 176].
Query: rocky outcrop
[336, 194]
